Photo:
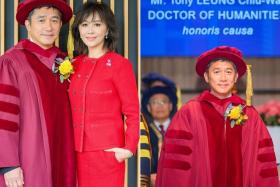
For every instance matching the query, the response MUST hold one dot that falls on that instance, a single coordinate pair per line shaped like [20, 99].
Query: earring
[106, 36]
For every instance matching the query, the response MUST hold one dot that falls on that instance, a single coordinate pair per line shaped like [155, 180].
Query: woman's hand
[120, 153]
[14, 178]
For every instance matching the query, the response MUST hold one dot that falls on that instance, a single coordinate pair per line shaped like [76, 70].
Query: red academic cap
[25, 7]
[231, 53]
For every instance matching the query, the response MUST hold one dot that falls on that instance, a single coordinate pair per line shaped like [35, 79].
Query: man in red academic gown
[35, 119]
[216, 140]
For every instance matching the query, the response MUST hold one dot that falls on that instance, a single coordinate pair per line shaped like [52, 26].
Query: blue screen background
[165, 38]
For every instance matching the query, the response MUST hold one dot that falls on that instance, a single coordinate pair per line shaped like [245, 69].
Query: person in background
[158, 103]
[153, 79]
[104, 100]
[217, 139]
[37, 142]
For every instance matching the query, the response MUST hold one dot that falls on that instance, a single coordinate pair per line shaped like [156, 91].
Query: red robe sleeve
[175, 162]
[125, 82]
[9, 114]
[262, 157]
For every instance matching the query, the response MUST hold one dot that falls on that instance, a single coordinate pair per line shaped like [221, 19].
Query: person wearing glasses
[158, 105]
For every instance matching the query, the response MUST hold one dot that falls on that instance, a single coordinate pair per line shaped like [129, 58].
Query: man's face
[44, 26]
[221, 77]
[159, 107]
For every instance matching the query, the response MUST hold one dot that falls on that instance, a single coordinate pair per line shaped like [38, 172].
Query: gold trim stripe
[126, 174]
[71, 3]
[16, 32]
[112, 5]
[2, 27]
[142, 126]
[125, 13]
[144, 139]
[145, 153]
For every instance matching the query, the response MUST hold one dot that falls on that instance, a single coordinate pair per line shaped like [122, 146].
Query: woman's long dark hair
[106, 15]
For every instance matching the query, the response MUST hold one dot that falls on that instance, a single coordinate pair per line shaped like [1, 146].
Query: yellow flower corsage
[236, 115]
[64, 68]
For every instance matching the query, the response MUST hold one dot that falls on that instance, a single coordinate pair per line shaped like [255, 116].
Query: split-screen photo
[139, 93]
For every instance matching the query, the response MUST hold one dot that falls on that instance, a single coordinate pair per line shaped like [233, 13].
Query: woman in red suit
[104, 100]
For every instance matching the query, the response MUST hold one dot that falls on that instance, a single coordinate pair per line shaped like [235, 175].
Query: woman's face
[93, 31]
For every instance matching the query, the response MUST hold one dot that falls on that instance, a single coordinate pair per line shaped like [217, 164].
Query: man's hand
[120, 153]
[14, 178]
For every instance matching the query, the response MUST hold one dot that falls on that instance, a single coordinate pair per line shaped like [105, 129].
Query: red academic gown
[201, 149]
[103, 93]
[35, 118]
